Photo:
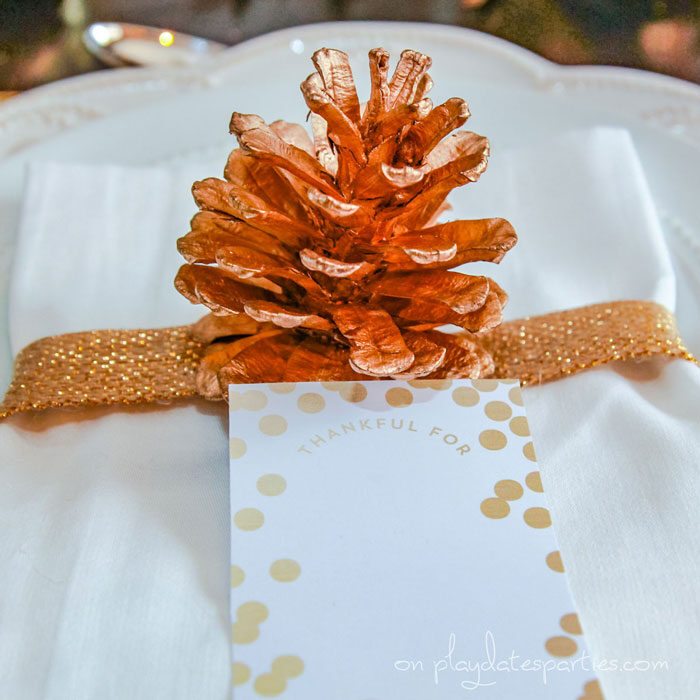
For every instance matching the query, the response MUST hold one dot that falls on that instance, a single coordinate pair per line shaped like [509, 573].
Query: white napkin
[114, 532]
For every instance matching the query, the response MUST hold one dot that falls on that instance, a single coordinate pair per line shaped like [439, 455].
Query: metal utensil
[122, 44]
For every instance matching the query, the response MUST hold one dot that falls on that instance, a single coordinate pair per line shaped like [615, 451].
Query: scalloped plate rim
[72, 93]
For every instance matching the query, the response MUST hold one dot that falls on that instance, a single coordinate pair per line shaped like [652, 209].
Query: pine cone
[326, 252]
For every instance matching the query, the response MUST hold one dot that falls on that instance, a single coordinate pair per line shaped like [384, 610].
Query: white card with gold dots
[391, 541]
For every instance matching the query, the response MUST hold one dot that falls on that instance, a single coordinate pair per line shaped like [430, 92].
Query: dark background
[40, 39]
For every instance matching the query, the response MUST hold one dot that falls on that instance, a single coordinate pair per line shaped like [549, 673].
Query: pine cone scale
[334, 68]
[428, 356]
[379, 88]
[461, 293]
[376, 344]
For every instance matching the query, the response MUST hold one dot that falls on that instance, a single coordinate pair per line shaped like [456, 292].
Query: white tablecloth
[114, 522]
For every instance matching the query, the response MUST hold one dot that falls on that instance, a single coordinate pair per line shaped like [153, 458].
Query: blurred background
[40, 40]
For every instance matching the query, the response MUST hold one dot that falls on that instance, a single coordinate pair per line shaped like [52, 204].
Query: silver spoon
[122, 44]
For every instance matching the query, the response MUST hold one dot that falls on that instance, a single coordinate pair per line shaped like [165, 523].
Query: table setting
[243, 455]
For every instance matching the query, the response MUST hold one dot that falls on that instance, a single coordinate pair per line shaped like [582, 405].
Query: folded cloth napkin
[115, 522]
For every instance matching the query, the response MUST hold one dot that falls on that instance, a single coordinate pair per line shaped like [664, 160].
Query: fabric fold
[115, 521]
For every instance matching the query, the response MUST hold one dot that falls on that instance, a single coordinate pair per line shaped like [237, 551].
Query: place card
[391, 541]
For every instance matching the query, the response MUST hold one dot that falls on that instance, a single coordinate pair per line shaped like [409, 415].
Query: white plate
[167, 116]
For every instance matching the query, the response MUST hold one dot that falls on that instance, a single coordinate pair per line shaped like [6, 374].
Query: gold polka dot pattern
[519, 426]
[570, 624]
[554, 562]
[248, 400]
[332, 386]
[271, 484]
[289, 666]
[237, 576]
[493, 439]
[436, 384]
[272, 425]
[561, 646]
[464, 396]
[516, 396]
[352, 392]
[241, 674]
[249, 519]
[311, 403]
[282, 669]
[285, 570]
[538, 518]
[495, 508]
[505, 490]
[592, 691]
[236, 448]
[399, 397]
[282, 388]
[270, 685]
[508, 490]
[529, 451]
[534, 482]
[485, 384]
[498, 410]
[249, 617]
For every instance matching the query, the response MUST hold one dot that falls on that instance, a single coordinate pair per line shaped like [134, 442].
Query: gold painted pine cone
[321, 258]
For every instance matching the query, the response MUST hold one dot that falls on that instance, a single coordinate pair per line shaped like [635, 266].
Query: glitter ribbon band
[106, 367]
[544, 348]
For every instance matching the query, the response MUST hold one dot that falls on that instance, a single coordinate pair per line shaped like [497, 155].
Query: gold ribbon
[544, 348]
[139, 366]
